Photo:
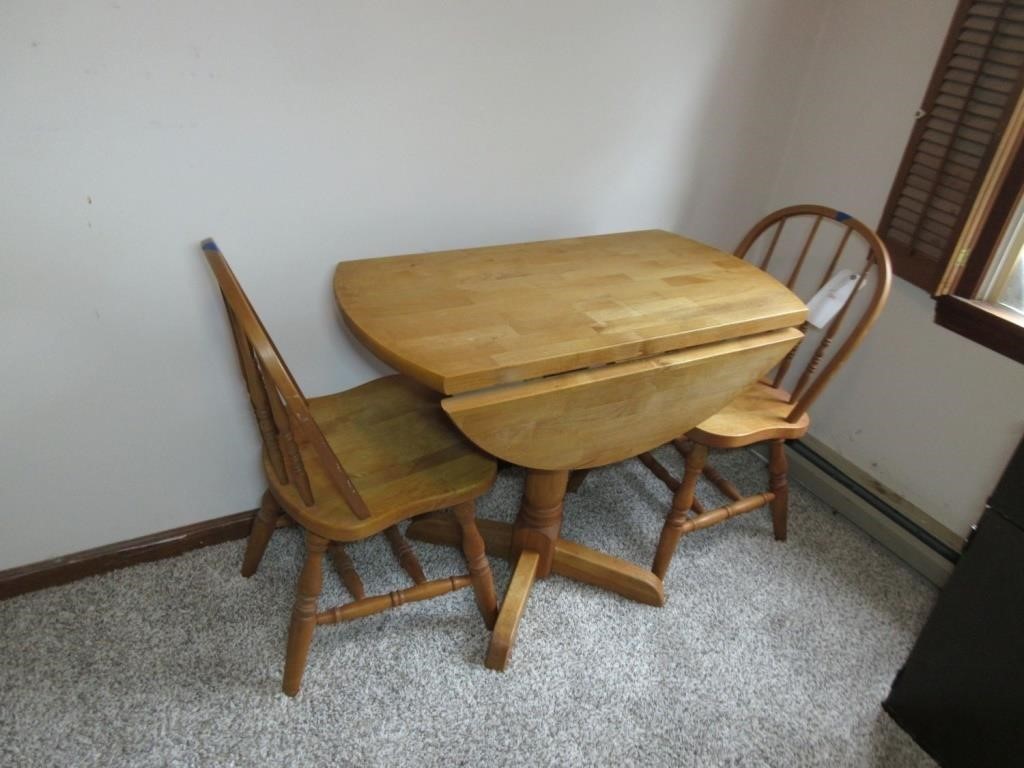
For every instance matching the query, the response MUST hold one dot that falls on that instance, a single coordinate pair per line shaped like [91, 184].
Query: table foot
[443, 529]
[580, 563]
[504, 635]
[572, 560]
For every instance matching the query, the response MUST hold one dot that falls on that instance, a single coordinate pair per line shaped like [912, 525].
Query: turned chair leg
[479, 567]
[300, 633]
[681, 503]
[403, 552]
[778, 483]
[346, 570]
[262, 528]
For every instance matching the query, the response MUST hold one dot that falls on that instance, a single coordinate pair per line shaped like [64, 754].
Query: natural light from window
[1005, 282]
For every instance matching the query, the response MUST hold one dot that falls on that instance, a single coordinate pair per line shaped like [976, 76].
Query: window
[954, 221]
[1004, 284]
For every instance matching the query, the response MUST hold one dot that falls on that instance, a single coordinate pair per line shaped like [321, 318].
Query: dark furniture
[960, 694]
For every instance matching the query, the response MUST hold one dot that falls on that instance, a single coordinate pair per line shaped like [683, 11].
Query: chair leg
[263, 526]
[300, 633]
[681, 503]
[479, 567]
[403, 552]
[346, 570]
[778, 483]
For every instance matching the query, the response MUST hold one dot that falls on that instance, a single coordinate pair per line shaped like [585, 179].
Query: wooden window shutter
[970, 98]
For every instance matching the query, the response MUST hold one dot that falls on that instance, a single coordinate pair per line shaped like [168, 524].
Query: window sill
[991, 326]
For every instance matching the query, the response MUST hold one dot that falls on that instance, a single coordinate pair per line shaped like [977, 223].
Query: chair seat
[759, 413]
[399, 449]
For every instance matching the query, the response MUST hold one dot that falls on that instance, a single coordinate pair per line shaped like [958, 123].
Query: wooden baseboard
[155, 546]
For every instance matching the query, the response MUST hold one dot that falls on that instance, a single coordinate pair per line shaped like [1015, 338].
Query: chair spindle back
[290, 435]
[875, 272]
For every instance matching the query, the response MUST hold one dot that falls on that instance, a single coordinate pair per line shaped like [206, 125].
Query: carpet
[765, 654]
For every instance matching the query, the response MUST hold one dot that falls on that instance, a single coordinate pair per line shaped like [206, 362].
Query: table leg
[533, 543]
[540, 516]
[534, 536]
[572, 560]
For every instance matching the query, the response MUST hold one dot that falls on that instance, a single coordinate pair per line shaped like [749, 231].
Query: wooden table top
[467, 319]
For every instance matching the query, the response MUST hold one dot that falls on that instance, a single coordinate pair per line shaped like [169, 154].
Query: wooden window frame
[981, 322]
[957, 306]
[991, 201]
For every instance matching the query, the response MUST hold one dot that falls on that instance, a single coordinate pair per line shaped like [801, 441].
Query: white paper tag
[826, 302]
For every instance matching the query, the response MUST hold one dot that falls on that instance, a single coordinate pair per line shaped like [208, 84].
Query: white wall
[300, 134]
[932, 415]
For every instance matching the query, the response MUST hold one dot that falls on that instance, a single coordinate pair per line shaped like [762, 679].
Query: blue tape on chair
[840, 216]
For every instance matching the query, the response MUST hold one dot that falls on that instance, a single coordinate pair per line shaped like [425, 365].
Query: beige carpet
[766, 654]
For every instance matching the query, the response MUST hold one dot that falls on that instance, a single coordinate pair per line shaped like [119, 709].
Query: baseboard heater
[834, 473]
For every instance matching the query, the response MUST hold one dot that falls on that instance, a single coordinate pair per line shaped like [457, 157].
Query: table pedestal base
[569, 559]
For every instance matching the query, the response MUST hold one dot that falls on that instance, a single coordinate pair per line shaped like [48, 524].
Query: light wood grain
[504, 636]
[474, 549]
[401, 453]
[599, 416]
[404, 554]
[360, 609]
[567, 354]
[346, 570]
[580, 563]
[444, 529]
[539, 521]
[768, 411]
[759, 413]
[571, 559]
[347, 466]
[300, 630]
[463, 320]
[874, 281]
[682, 500]
[263, 526]
[778, 482]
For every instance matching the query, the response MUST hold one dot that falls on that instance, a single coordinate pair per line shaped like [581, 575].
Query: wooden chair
[347, 466]
[775, 409]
